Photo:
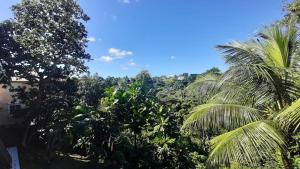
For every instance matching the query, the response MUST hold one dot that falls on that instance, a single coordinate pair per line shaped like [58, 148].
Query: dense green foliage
[246, 117]
[11, 52]
[131, 128]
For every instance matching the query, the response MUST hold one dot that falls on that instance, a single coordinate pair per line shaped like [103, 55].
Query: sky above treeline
[166, 37]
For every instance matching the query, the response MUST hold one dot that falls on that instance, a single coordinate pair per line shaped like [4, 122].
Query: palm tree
[257, 100]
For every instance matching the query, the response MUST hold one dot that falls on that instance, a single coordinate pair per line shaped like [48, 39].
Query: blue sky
[166, 37]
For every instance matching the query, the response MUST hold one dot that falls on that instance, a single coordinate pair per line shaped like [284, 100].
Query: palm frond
[290, 117]
[275, 47]
[247, 73]
[216, 116]
[232, 93]
[295, 60]
[248, 145]
[204, 86]
[241, 52]
[279, 45]
[230, 97]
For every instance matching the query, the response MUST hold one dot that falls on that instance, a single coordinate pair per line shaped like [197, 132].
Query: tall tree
[53, 33]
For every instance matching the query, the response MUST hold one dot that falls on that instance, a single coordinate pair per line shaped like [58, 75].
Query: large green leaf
[248, 145]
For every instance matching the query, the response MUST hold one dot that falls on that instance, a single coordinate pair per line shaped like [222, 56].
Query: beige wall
[5, 100]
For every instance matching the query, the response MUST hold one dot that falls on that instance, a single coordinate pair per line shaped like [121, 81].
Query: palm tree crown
[253, 100]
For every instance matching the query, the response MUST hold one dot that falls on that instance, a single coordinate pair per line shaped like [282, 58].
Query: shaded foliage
[131, 129]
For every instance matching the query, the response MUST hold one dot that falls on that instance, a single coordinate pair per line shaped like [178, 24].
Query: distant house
[180, 78]
[8, 106]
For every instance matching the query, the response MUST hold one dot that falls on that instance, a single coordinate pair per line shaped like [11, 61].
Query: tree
[11, 52]
[91, 89]
[145, 77]
[52, 32]
[254, 100]
[117, 126]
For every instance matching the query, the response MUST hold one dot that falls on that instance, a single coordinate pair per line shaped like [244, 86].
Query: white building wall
[6, 117]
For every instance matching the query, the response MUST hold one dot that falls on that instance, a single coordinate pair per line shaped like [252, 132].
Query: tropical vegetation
[245, 117]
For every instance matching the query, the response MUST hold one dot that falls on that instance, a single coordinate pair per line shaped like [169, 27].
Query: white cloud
[91, 39]
[106, 59]
[114, 53]
[129, 64]
[119, 53]
[132, 63]
[172, 57]
[128, 1]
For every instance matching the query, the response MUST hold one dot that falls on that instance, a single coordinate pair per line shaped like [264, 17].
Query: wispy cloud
[106, 59]
[128, 1]
[91, 39]
[114, 53]
[118, 53]
[131, 63]
[172, 57]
